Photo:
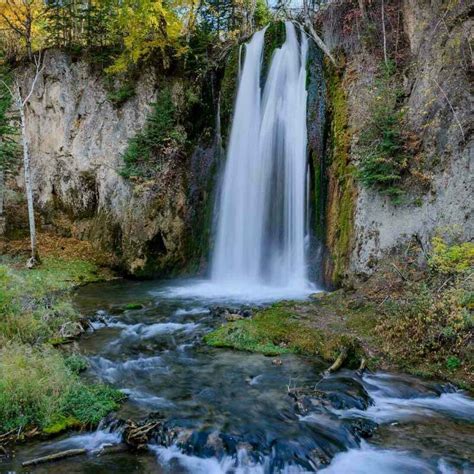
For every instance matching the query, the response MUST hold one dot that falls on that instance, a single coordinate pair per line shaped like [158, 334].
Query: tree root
[339, 361]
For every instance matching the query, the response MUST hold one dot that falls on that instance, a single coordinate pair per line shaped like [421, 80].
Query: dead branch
[55, 457]
[339, 361]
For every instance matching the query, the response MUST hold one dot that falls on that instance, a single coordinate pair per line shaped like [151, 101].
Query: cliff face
[159, 225]
[436, 109]
[77, 138]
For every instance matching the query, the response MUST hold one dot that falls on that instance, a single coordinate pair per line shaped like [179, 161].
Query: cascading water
[260, 236]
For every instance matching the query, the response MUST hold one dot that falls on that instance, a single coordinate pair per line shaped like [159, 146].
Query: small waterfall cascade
[262, 208]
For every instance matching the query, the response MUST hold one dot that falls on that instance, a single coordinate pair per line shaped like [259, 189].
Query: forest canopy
[130, 30]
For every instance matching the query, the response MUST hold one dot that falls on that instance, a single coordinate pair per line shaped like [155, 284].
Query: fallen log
[55, 457]
[107, 449]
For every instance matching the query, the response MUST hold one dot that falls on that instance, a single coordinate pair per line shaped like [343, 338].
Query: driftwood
[339, 361]
[55, 457]
[363, 365]
[70, 453]
[138, 436]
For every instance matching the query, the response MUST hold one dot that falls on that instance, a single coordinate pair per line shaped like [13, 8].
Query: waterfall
[262, 207]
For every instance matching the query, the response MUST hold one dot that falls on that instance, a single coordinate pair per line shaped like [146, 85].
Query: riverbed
[239, 412]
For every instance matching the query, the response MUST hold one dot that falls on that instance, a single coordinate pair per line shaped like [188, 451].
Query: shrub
[427, 325]
[122, 94]
[37, 388]
[141, 157]
[382, 143]
[451, 259]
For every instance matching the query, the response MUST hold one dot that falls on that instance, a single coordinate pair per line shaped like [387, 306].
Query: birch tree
[20, 102]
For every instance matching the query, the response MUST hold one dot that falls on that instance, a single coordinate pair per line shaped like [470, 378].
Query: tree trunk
[384, 35]
[28, 184]
[362, 9]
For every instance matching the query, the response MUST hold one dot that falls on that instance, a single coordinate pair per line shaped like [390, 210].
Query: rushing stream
[233, 410]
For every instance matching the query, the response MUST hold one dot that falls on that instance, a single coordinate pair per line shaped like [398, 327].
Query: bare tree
[385, 57]
[20, 102]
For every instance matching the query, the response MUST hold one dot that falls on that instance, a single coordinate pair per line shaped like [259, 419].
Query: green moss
[228, 90]
[275, 36]
[340, 211]
[62, 424]
[121, 95]
[132, 306]
[279, 330]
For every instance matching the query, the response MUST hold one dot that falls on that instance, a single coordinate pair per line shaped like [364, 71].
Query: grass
[39, 389]
[34, 305]
[281, 329]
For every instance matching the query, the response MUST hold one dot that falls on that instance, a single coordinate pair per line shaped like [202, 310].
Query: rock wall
[438, 105]
[77, 137]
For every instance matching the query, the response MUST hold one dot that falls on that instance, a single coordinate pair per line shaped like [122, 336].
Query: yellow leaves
[451, 259]
[146, 26]
[22, 18]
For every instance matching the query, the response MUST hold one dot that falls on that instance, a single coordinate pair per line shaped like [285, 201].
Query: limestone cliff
[363, 225]
[77, 138]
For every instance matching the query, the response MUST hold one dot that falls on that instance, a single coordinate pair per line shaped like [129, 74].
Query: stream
[233, 411]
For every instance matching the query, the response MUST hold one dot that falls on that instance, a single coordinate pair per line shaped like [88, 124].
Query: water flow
[260, 238]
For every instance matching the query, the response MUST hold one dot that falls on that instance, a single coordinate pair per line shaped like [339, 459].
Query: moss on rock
[282, 328]
[341, 189]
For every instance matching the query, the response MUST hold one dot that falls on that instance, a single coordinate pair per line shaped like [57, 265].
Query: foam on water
[91, 441]
[240, 464]
[370, 460]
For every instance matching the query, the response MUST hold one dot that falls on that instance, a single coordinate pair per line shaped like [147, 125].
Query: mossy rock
[62, 424]
[279, 330]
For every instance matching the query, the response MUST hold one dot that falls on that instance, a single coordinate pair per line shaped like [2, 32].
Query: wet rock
[231, 314]
[362, 427]
[341, 392]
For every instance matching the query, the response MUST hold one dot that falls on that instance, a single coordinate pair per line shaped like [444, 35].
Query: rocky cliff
[432, 39]
[160, 224]
[77, 136]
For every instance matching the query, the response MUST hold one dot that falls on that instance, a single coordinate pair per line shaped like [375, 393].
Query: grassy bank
[40, 387]
[414, 315]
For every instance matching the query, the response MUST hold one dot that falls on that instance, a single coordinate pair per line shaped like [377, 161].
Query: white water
[261, 224]
[260, 238]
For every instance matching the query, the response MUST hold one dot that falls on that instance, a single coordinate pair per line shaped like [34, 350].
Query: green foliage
[90, 403]
[122, 94]
[453, 363]
[451, 259]
[37, 388]
[76, 363]
[278, 330]
[427, 327]
[383, 158]
[165, 131]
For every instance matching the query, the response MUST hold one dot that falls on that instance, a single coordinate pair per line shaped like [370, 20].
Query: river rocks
[341, 393]
[231, 314]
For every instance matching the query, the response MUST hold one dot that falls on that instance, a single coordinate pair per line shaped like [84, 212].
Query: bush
[141, 158]
[38, 389]
[427, 325]
[383, 159]
[120, 96]
[451, 259]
